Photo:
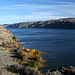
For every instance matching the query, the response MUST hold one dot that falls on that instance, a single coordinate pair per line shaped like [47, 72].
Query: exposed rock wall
[62, 71]
[5, 35]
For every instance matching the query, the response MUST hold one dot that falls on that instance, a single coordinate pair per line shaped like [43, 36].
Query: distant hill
[59, 23]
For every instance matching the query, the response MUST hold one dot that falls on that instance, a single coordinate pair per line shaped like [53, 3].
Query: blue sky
[14, 11]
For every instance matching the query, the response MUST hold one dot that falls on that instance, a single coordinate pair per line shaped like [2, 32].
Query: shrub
[24, 53]
[22, 46]
[16, 39]
[37, 52]
[33, 51]
[14, 42]
[34, 64]
[27, 50]
[3, 44]
[17, 46]
[37, 58]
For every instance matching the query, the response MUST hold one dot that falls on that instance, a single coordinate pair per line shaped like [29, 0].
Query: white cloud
[72, 12]
[60, 2]
[33, 16]
[39, 6]
[53, 10]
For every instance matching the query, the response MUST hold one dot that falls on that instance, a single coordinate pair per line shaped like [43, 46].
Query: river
[59, 43]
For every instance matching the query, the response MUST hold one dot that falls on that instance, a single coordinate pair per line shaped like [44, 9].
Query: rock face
[62, 71]
[5, 35]
[60, 23]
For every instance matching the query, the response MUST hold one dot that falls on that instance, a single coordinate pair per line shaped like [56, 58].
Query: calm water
[59, 43]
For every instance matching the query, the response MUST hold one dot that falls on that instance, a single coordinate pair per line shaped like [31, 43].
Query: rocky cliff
[5, 35]
[60, 23]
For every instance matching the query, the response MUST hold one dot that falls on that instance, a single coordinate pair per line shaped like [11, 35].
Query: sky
[15, 11]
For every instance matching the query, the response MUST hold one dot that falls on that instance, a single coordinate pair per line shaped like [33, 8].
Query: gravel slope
[6, 59]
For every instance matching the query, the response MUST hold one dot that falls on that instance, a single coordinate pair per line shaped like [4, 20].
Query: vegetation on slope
[26, 57]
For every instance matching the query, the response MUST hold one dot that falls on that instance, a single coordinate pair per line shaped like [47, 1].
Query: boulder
[5, 35]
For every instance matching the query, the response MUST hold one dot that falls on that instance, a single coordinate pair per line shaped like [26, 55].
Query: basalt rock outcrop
[62, 71]
[66, 23]
[5, 35]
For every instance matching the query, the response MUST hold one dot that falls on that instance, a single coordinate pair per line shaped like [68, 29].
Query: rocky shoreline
[62, 71]
[9, 65]
[6, 61]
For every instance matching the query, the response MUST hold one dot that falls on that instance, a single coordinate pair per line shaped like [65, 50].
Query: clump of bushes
[30, 57]
[34, 64]
[11, 44]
